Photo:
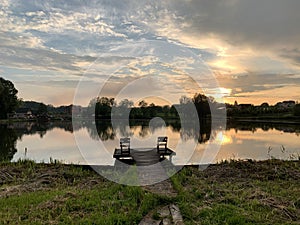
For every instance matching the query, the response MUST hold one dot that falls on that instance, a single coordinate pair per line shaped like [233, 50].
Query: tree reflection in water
[10, 134]
[8, 142]
[105, 131]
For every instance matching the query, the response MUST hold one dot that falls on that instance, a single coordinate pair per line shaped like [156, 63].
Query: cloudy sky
[244, 50]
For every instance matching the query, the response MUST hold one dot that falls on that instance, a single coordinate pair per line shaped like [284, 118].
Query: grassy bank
[229, 193]
[58, 194]
[240, 193]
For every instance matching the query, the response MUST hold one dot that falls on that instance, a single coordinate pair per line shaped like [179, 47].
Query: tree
[125, 103]
[103, 107]
[42, 110]
[185, 100]
[122, 110]
[8, 98]
[166, 110]
[297, 110]
[143, 104]
[201, 102]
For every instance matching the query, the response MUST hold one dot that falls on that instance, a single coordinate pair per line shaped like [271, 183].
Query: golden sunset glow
[223, 139]
[53, 45]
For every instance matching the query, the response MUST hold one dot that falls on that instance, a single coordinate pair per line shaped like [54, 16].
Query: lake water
[95, 143]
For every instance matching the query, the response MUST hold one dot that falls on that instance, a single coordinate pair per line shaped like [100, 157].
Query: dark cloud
[257, 82]
[242, 22]
[291, 54]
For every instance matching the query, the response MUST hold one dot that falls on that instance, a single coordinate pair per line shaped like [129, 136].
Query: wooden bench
[125, 145]
[124, 150]
[140, 154]
[162, 144]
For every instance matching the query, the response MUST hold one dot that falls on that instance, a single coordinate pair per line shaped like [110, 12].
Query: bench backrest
[125, 144]
[162, 141]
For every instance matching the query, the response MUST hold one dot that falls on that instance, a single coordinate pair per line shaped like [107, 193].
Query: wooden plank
[166, 151]
[143, 155]
[150, 171]
[121, 154]
[145, 158]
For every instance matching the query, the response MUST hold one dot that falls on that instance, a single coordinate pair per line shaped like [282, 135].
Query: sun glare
[223, 139]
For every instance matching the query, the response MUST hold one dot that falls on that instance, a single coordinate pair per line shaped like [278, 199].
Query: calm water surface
[57, 141]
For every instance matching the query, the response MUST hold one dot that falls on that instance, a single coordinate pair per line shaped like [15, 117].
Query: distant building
[21, 113]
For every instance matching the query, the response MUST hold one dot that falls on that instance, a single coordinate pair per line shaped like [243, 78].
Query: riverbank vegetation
[33, 193]
[240, 192]
[237, 192]
[197, 107]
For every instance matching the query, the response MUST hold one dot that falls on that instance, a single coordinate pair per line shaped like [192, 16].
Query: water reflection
[242, 135]
[8, 140]
[104, 130]
[250, 126]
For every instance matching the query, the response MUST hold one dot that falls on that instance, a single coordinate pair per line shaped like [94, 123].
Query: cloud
[272, 95]
[41, 59]
[242, 22]
[248, 45]
[254, 83]
[293, 55]
[230, 28]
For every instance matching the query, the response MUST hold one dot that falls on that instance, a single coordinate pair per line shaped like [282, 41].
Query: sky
[69, 51]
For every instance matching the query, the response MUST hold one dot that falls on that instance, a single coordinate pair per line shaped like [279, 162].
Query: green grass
[104, 204]
[232, 192]
[60, 194]
[240, 193]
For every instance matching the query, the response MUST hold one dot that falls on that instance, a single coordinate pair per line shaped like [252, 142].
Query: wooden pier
[143, 156]
[151, 162]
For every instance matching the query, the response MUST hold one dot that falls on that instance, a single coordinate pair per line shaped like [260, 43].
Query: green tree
[8, 98]
[103, 107]
[42, 110]
[297, 110]
[166, 110]
[201, 102]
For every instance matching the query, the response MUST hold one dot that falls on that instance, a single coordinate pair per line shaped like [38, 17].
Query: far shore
[294, 120]
[260, 119]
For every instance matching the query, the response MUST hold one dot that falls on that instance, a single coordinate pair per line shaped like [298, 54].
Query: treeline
[280, 109]
[39, 108]
[199, 106]
[104, 107]
[11, 104]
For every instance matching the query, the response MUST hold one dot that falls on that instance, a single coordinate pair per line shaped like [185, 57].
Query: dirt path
[151, 171]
